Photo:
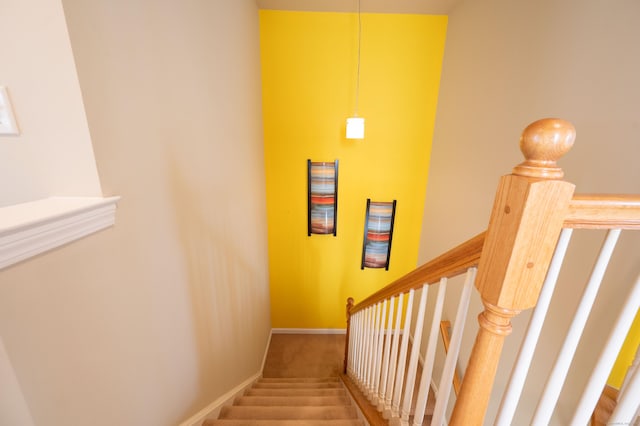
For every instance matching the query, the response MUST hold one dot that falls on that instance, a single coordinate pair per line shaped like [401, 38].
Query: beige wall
[432, 7]
[53, 154]
[147, 322]
[13, 407]
[507, 64]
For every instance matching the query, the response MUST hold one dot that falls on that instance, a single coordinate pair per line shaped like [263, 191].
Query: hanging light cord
[358, 69]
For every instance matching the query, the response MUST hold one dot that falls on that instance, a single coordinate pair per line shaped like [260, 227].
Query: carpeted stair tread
[246, 422]
[288, 412]
[291, 400]
[296, 392]
[297, 385]
[298, 379]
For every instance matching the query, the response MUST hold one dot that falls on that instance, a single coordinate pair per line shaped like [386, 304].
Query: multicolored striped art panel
[323, 197]
[378, 232]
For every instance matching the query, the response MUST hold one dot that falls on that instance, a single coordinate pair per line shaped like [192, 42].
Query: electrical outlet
[8, 124]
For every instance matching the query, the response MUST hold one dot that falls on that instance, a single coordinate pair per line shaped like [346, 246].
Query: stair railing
[378, 338]
[613, 213]
[512, 259]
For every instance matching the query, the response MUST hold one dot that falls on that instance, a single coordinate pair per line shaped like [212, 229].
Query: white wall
[507, 64]
[53, 153]
[148, 322]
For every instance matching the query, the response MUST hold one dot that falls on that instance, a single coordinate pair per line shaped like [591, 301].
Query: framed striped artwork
[378, 234]
[322, 200]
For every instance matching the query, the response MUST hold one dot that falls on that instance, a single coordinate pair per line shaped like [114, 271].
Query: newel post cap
[350, 302]
[543, 142]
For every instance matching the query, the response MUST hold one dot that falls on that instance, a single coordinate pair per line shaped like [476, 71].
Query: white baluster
[633, 368]
[635, 365]
[393, 363]
[378, 365]
[362, 351]
[354, 348]
[628, 402]
[356, 352]
[600, 373]
[413, 359]
[525, 355]
[444, 387]
[382, 392]
[374, 353]
[556, 379]
[402, 359]
[367, 360]
[363, 316]
[371, 350]
[352, 333]
[430, 356]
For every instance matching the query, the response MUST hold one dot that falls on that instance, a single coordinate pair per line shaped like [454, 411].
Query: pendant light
[355, 124]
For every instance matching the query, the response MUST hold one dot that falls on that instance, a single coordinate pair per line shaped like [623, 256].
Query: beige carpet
[305, 355]
[315, 355]
[291, 401]
[300, 386]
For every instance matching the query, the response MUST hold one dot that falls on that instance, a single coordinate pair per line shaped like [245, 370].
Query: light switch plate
[8, 124]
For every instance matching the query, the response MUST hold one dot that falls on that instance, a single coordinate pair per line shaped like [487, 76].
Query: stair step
[243, 422]
[298, 379]
[297, 385]
[296, 392]
[288, 413]
[291, 400]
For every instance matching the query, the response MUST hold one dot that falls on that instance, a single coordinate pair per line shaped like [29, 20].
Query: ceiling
[429, 7]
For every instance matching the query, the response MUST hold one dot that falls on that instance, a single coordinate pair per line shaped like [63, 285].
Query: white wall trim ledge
[29, 229]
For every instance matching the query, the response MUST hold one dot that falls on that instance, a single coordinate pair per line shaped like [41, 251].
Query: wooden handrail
[452, 263]
[587, 211]
[598, 211]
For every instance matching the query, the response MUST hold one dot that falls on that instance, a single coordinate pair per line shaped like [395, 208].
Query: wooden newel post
[526, 220]
[346, 343]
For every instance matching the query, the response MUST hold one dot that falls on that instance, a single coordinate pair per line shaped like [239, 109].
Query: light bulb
[355, 128]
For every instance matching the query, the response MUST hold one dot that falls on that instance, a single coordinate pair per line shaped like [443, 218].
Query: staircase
[291, 401]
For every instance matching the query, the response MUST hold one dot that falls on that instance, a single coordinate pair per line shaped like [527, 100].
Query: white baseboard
[309, 330]
[212, 410]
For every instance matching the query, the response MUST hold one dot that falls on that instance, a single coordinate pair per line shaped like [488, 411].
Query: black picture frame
[322, 197]
[378, 234]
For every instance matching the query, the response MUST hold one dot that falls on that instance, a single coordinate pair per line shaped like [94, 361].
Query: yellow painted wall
[626, 355]
[309, 63]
